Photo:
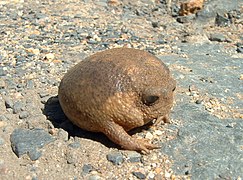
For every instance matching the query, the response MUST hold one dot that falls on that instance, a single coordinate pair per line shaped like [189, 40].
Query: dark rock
[1, 141]
[115, 157]
[139, 175]
[155, 24]
[212, 8]
[43, 94]
[198, 101]
[133, 156]
[87, 168]
[185, 19]
[3, 118]
[220, 20]
[29, 141]
[8, 103]
[23, 114]
[204, 140]
[217, 37]
[75, 145]
[18, 107]
[239, 47]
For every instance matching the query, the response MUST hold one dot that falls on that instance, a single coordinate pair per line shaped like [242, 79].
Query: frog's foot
[118, 135]
[165, 119]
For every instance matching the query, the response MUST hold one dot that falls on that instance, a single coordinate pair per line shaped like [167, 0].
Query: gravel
[115, 157]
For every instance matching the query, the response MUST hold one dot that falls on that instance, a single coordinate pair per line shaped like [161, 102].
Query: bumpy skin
[115, 91]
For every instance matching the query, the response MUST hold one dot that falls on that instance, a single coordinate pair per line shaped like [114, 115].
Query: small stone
[115, 157]
[239, 47]
[43, 94]
[71, 157]
[133, 156]
[186, 19]
[62, 134]
[149, 135]
[23, 114]
[1, 141]
[217, 37]
[139, 175]
[94, 177]
[30, 84]
[167, 174]
[220, 20]
[75, 145]
[87, 168]
[8, 103]
[158, 132]
[241, 77]
[155, 24]
[49, 56]
[151, 175]
[17, 107]
[199, 101]
[2, 84]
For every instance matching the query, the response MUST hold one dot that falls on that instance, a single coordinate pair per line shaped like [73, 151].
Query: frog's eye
[150, 100]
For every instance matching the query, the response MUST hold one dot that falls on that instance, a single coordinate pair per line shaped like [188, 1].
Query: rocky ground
[41, 40]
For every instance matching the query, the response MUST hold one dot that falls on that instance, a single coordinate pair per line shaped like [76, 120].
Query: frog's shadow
[55, 114]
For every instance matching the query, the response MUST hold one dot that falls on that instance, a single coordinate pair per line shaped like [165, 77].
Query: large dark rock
[29, 141]
[206, 146]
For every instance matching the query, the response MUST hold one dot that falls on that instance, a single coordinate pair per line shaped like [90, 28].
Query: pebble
[149, 135]
[17, 107]
[23, 114]
[29, 141]
[115, 157]
[133, 156]
[221, 20]
[71, 157]
[199, 101]
[8, 103]
[139, 175]
[1, 141]
[239, 47]
[49, 56]
[62, 134]
[2, 84]
[43, 94]
[87, 168]
[75, 145]
[217, 37]
[94, 177]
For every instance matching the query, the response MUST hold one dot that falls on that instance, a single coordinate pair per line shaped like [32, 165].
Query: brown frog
[115, 91]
